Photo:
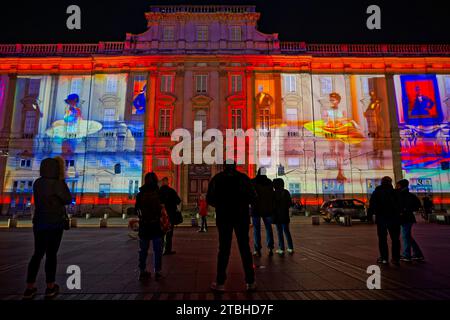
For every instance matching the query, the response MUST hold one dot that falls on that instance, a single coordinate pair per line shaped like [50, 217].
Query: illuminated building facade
[346, 115]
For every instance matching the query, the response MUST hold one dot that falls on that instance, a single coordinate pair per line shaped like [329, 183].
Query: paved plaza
[330, 263]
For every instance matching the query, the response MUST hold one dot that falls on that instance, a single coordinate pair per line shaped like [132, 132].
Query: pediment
[109, 100]
[166, 99]
[201, 100]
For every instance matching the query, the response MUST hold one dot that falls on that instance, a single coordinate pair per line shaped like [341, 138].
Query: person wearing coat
[280, 218]
[171, 200]
[408, 204]
[51, 195]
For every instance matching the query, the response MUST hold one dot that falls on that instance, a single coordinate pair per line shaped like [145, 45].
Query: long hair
[151, 179]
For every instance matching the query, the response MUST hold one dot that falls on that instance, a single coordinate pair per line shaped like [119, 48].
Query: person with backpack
[383, 203]
[171, 200]
[231, 192]
[408, 204]
[51, 194]
[148, 207]
[262, 209]
[280, 218]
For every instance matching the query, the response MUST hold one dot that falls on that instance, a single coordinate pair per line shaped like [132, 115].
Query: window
[201, 115]
[292, 121]
[236, 119]
[109, 115]
[236, 83]
[30, 123]
[168, 33]
[104, 189]
[162, 162]
[236, 33]
[76, 85]
[264, 119]
[290, 83]
[70, 164]
[201, 83]
[365, 86]
[164, 122]
[447, 85]
[293, 162]
[111, 84]
[167, 83]
[25, 163]
[133, 188]
[294, 188]
[34, 86]
[202, 33]
[326, 85]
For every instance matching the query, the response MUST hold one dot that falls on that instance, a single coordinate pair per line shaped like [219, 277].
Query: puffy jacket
[51, 194]
[408, 204]
[148, 206]
[384, 204]
[264, 202]
[281, 203]
[170, 199]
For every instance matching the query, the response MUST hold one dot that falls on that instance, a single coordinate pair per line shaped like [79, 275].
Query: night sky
[313, 21]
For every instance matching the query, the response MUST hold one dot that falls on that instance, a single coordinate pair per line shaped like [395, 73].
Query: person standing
[383, 203]
[281, 203]
[408, 204]
[262, 209]
[427, 206]
[171, 200]
[203, 211]
[148, 207]
[230, 193]
[51, 194]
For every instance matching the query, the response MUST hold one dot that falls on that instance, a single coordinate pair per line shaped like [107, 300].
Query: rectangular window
[236, 33]
[290, 83]
[236, 83]
[294, 188]
[25, 163]
[292, 121]
[201, 83]
[236, 119]
[202, 33]
[365, 86]
[164, 122]
[264, 119]
[293, 162]
[109, 115]
[34, 87]
[326, 85]
[76, 85]
[30, 123]
[168, 33]
[167, 83]
[104, 190]
[162, 162]
[70, 164]
[447, 85]
[111, 84]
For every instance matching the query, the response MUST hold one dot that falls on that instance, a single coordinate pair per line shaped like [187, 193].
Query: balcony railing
[202, 9]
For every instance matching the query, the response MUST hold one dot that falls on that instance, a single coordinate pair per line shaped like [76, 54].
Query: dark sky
[313, 21]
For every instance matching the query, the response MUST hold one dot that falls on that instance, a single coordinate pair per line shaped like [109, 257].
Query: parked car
[336, 208]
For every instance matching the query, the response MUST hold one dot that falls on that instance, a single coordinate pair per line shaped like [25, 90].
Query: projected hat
[72, 97]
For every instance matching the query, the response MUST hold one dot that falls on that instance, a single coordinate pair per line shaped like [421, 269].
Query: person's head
[72, 99]
[262, 171]
[335, 99]
[402, 184]
[151, 179]
[386, 181]
[62, 167]
[278, 184]
[230, 165]
[202, 197]
[165, 181]
[50, 168]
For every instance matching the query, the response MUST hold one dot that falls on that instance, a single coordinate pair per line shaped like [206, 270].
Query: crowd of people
[239, 202]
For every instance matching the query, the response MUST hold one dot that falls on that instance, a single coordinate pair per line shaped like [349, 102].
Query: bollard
[345, 221]
[105, 216]
[124, 216]
[88, 216]
[103, 223]
[12, 223]
[73, 223]
[315, 220]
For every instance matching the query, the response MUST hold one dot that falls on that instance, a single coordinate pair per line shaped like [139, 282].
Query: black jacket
[230, 192]
[51, 194]
[281, 203]
[170, 199]
[264, 202]
[148, 206]
[384, 204]
[408, 204]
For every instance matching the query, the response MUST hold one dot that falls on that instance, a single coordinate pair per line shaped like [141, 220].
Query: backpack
[149, 210]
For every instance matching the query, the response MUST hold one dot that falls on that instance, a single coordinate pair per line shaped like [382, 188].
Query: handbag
[165, 221]
[177, 218]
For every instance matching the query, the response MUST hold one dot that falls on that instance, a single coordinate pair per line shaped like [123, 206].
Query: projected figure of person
[372, 115]
[139, 101]
[72, 114]
[422, 104]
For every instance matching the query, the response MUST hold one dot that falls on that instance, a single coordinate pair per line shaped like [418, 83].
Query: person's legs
[406, 239]
[417, 253]
[269, 232]
[157, 254]
[168, 241]
[280, 236]
[206, 223]
[53, 243]
[256, 220]
[394, 233]
[287, 232]
[225, 237]
[242, 229]
[40, 245]
[382, 241]
[143, 252]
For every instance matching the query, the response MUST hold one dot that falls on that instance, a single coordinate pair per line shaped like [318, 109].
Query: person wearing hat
[73, 112]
